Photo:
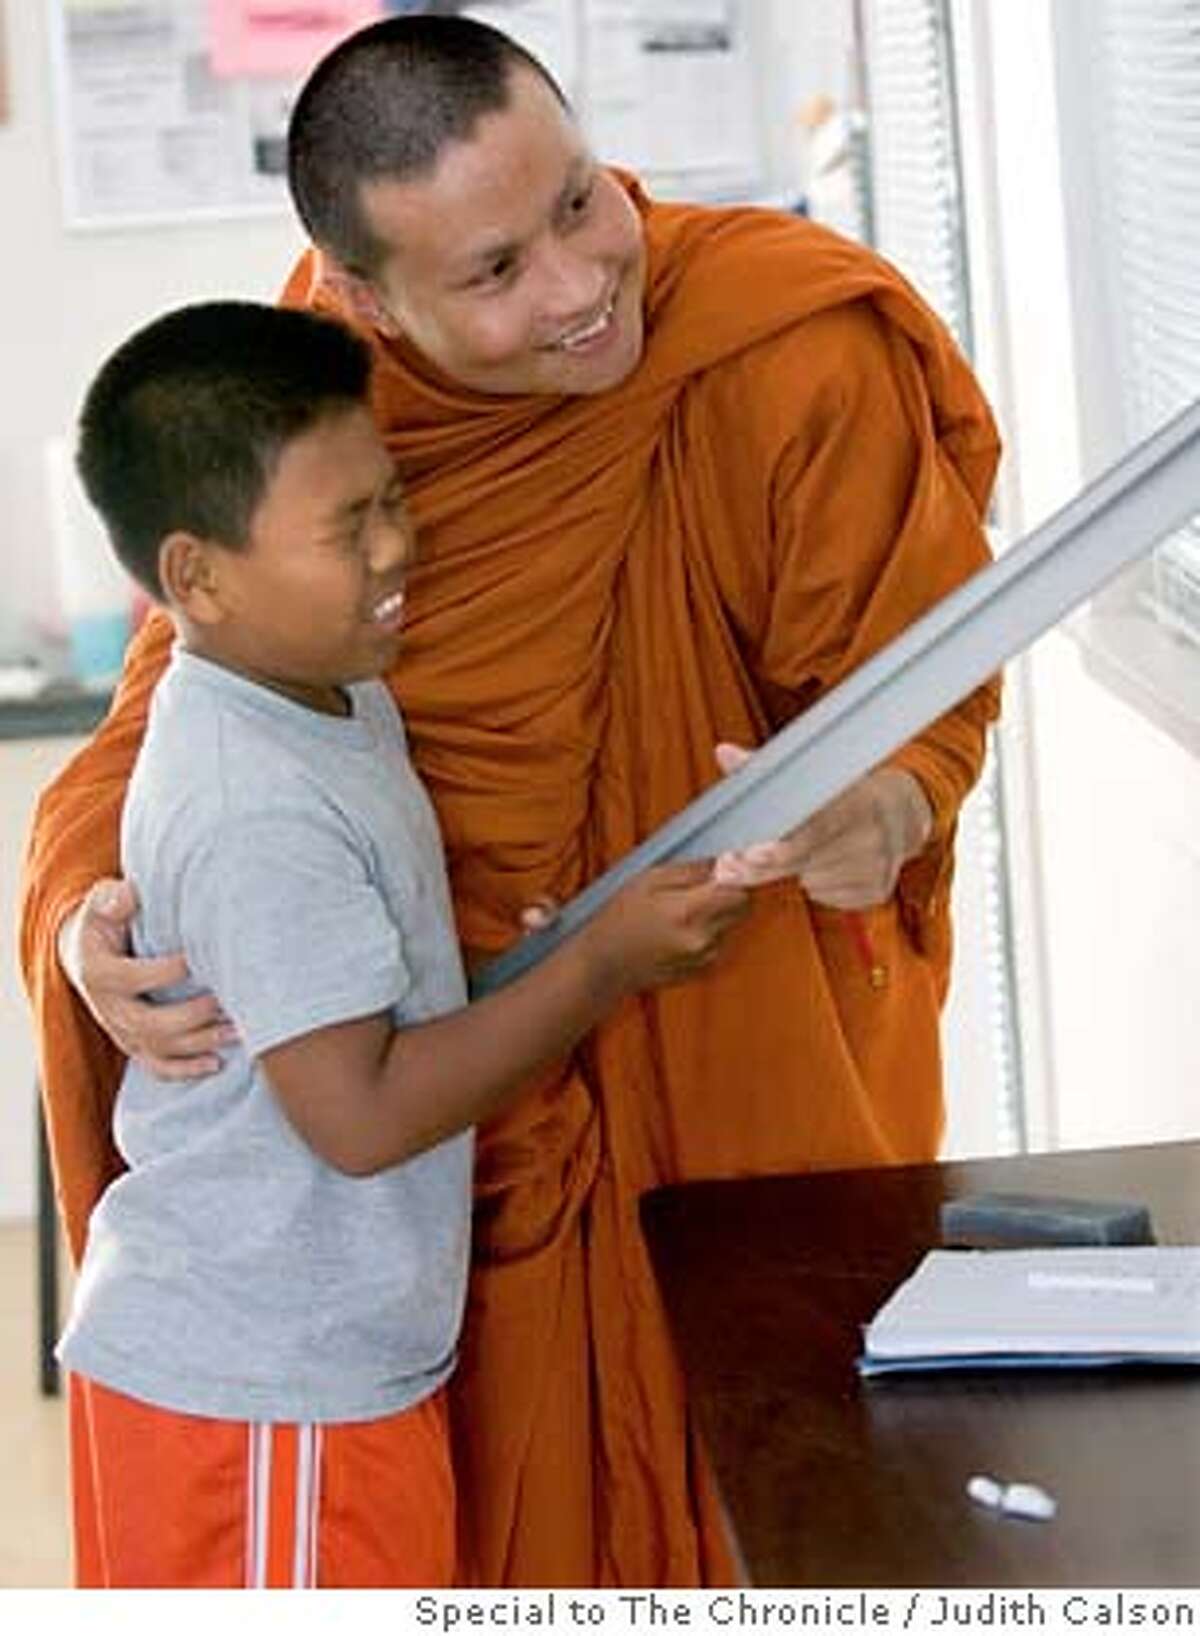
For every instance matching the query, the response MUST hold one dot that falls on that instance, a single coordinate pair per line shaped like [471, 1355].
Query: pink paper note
[281, 38]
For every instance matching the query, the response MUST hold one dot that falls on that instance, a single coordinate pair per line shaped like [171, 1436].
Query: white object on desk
[1013, 1499]
[1028, 1500]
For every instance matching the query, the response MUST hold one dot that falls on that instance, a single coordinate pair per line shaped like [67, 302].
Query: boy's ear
[189, 570]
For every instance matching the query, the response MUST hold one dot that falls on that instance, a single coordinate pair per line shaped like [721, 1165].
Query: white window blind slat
[918, 222]
[913, 153]
[1148, 74]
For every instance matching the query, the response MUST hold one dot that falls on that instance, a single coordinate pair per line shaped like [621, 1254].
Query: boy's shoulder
[221, 746]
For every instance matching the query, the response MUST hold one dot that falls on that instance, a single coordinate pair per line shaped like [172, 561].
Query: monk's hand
[179, 1040]
[850, 854]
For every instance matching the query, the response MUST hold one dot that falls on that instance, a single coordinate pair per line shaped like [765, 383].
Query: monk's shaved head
[382, 106]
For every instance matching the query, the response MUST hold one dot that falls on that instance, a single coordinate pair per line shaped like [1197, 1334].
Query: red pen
[877, 974]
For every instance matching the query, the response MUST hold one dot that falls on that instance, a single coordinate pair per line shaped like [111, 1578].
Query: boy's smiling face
[315, 599]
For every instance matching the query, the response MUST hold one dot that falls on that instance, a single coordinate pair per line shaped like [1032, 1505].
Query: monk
[675, 471]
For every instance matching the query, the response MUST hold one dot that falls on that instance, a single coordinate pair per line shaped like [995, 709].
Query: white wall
[69, 298]
[1110, 865]
[1120, 837]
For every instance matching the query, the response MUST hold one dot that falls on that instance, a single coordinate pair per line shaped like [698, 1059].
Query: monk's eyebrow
[489, 251]
[353, 508]
[580, 172]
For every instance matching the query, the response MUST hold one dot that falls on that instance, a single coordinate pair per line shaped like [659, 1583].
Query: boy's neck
[327, 699]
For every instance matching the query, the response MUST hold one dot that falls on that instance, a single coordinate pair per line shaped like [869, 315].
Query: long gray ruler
[924, 672]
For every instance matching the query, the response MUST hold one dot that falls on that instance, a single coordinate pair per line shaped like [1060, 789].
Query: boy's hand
[665, 925]
[177, 1041]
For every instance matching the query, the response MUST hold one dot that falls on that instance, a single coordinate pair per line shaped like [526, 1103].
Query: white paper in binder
[95, 593]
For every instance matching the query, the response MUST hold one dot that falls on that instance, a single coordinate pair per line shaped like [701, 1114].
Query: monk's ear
[358, 296]
[190, 570]
[382, 318]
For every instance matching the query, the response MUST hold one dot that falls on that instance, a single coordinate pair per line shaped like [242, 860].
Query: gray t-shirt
[295, 859]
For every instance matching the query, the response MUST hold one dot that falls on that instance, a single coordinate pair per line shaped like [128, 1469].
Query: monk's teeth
[581, 337]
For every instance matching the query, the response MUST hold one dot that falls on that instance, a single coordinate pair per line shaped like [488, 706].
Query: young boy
[270, 1298]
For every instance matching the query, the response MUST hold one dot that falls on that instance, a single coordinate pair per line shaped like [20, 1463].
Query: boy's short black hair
[383, 105]
[183, 426]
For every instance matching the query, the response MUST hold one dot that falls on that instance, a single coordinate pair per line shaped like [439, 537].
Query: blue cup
[98, 643]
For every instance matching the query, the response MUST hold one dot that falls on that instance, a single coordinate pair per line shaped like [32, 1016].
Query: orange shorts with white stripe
[170, 1500]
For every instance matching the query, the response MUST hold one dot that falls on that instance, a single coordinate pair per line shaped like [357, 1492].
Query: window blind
[915, 173]
[916, 218]
[1147, 126]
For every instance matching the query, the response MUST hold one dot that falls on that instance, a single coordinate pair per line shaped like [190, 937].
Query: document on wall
[1061, 1307]
[548, 29]
[178, 109]
[670, 89]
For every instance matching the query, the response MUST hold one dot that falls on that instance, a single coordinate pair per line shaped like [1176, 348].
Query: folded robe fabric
[609, 586]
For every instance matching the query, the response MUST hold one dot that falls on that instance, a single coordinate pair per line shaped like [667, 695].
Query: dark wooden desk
[830, 1480]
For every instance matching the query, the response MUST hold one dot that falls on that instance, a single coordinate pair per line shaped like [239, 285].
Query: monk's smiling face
[517, 264]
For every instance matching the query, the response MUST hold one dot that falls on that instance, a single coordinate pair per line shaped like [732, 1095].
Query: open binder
[1040, 1308]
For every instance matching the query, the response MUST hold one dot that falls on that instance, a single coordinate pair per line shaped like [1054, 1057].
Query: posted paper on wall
[178, 109]
[154, 122]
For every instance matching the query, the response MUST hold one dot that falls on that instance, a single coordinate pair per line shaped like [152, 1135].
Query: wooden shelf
[57, 713]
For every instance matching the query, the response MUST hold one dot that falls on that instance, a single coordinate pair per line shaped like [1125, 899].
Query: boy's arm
[366, 1096]
[74, 841]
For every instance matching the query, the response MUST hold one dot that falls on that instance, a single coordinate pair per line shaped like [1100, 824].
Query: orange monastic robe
[609, 586]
